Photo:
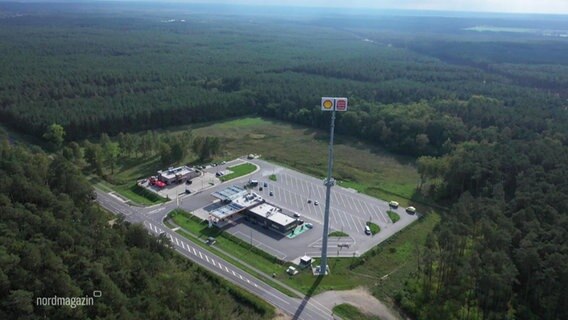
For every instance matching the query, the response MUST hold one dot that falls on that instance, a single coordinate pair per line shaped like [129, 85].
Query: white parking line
[226, 269]
[201, 256]
[212, 261]
[234, 273]
[241, 277]
[206, 258]
[177, 242]
[194, 252]
[182, 245]
[354, 223]
[220, 266]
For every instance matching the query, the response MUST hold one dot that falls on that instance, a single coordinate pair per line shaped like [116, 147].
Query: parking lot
[291, 191]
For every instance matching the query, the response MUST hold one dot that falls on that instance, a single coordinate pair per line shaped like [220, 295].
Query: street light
[333, 105]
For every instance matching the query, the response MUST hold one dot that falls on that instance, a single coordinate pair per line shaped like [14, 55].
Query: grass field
[393, 216]
[350, 312]
[239, 171]
[366, 168]
[128, 191]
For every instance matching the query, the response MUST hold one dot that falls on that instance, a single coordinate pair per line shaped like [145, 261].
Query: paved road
[152, 217]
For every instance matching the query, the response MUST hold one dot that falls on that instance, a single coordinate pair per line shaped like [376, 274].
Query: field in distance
[361, 166]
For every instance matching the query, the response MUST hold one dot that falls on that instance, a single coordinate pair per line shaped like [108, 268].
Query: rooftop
[226, 211]
[230, 193]
[272, 213]
[173, 172]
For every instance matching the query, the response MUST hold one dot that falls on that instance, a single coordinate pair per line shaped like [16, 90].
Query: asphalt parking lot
[291, 191]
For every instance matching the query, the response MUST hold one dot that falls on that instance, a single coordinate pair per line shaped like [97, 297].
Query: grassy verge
[349, 312]
[383, 269]
[273, 177]
[199, 231]
[338, 234]
[393, 216]
[374, 228]
[132, 192]
[239, 171]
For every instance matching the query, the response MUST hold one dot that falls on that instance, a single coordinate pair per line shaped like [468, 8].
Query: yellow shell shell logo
[328, 104]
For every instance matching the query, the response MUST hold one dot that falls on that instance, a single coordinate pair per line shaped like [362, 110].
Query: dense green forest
[56, 242]
[486, 116]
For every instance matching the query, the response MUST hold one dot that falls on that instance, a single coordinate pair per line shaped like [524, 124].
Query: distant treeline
[490, 133]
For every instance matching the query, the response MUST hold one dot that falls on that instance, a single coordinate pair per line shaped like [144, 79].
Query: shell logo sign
[333, 104]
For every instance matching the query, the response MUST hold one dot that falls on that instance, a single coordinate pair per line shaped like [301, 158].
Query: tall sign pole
[333, 105]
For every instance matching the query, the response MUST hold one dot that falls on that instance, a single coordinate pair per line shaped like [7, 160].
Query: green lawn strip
[374, 228]
[272, 177]
[134, 192]
[393, 216]
[338, 234]
[239, 171]
[350, 312]
[223, 245]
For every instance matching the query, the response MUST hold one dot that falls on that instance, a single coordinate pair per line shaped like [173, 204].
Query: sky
[513, 6]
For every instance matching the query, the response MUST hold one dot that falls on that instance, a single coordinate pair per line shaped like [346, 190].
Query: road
[152, 219]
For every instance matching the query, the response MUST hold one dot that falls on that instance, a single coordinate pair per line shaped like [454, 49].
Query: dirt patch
[359, 297]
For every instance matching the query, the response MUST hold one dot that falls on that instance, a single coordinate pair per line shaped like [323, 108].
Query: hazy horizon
[478, 6]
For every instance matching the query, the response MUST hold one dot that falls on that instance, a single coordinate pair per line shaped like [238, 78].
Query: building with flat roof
[243, 202]
[177, 175]
[272, 217]
[252, 205]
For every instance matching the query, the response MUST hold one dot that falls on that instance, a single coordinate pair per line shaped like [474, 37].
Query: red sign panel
[341, 104]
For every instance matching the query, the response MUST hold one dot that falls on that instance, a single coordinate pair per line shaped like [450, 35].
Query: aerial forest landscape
[460, 118]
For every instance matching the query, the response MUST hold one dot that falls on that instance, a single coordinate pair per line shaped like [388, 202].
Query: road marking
[206, 258]
[234, 273]
[177, 242]
[192, 248]
[182, 245]
[201, 256]
[226, 269]
[248, 281]
[220, 266]
[212, 261]
[241, 277]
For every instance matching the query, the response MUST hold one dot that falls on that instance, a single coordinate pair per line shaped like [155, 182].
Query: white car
[411, 210]
[316, 203]
[393, 204]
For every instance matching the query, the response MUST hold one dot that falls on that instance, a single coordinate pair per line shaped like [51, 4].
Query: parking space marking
[201, 256]
[206, 258]
[220, 266]
[234, 274]
[177, 242]
[194, 252]
[212, 261]
[226, 269]
[354, 223]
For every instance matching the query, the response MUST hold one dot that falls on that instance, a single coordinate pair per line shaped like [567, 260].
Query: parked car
[265, 184]
[309, 200]
[260, 189]
[309, 225]
[271, 193]
[296, 215]
[316, 203]
[393, 204]
[367, 230]
[411, 210]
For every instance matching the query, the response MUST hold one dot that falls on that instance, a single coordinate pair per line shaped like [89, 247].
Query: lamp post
[333, 105]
